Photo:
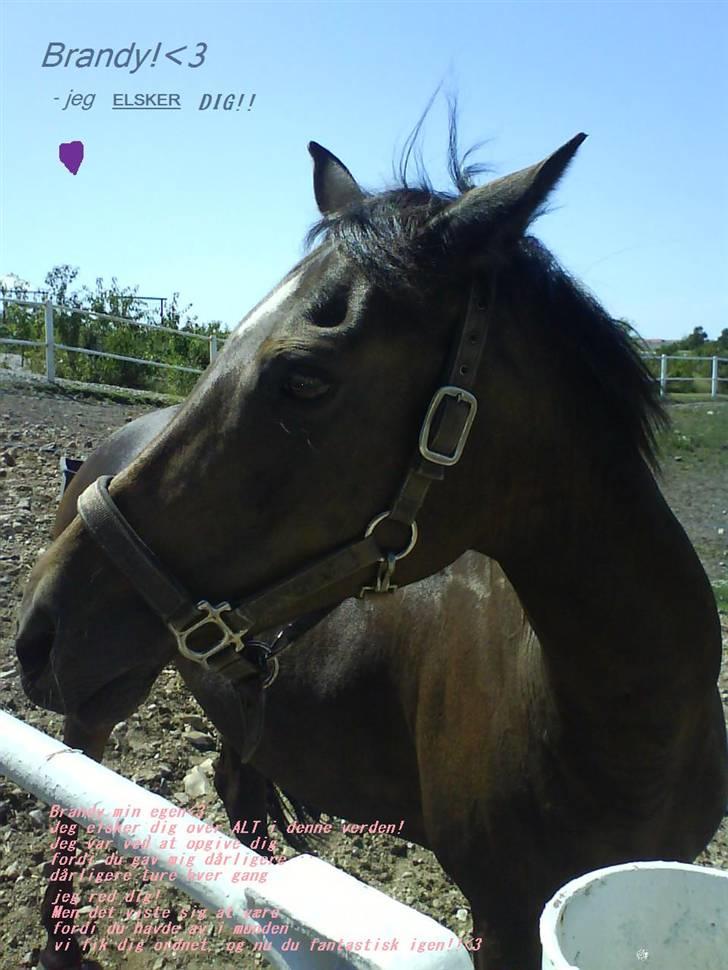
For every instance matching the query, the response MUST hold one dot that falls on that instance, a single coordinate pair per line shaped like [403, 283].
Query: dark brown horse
[532, 715]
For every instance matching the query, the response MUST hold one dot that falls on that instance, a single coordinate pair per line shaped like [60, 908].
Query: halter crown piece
[218, 635]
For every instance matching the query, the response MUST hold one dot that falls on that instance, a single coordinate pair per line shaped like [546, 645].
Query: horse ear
[501, 211]
[333, 184]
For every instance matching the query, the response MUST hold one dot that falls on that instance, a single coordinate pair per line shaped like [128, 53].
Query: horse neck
[614, 591]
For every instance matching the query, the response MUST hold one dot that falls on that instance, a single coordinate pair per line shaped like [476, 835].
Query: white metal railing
[318, 906]
[51, 345]
[715, 362]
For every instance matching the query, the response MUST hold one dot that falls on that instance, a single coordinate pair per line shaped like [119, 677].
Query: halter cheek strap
[217, 635]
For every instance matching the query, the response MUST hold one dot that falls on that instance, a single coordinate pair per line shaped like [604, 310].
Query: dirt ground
[168, 737]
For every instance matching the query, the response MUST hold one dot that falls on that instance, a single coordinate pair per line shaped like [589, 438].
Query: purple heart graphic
[71, 154]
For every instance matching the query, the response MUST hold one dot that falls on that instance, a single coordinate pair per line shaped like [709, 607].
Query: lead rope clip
[384, 575]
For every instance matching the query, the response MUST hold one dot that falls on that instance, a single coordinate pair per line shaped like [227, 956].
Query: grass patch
[699, 431]
[720, 591]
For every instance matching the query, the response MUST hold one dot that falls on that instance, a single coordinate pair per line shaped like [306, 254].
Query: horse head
[298, 472]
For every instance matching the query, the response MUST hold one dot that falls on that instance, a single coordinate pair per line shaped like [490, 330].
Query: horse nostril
[34, 642]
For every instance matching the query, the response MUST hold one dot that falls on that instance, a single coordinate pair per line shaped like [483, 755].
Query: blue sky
[215, 204]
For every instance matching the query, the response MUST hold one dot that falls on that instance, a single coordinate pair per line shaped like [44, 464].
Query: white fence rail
[51, 345]
[321, 909]
[713, 377]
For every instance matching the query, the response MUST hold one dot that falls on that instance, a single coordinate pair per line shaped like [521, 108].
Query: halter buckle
[462, 396]
[212, 615]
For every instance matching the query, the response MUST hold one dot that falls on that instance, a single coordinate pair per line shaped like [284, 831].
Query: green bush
[74, 326]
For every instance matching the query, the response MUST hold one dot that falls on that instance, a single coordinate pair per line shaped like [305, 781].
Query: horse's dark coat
[530, 719]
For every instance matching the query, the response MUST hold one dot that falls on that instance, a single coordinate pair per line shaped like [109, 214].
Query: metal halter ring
[413, 535]
[272, 669]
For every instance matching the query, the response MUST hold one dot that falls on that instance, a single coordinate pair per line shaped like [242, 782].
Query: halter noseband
[442, 438]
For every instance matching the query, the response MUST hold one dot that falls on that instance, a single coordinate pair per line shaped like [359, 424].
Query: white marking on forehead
[266, 307]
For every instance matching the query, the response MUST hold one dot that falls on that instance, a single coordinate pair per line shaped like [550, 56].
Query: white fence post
[714, 378]
[663, 374]
[213, 347]
[50, 349]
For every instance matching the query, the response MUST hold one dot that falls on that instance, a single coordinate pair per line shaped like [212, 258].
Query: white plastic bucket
[639, 916]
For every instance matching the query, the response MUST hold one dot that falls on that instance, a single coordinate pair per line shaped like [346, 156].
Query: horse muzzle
[34, 647]
[55, 686]
[77, 657]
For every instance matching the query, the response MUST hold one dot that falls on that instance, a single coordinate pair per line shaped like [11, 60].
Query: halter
[444, 432]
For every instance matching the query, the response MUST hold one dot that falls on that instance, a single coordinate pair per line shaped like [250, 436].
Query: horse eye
[306, 387]
[330, 310]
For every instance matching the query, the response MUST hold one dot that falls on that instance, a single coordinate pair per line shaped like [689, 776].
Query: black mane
[601, 355]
